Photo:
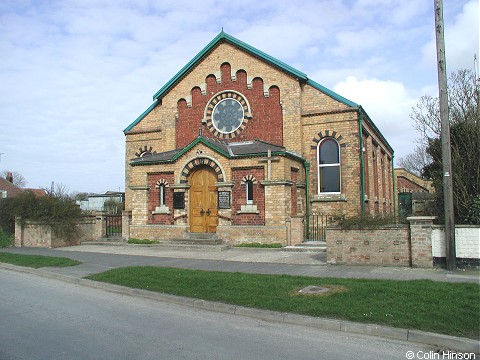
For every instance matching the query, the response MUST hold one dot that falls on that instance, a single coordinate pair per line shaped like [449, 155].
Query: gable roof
[224, 37]
[233, 150]
[11, 189]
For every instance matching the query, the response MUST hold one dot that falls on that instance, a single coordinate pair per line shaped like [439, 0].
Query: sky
[75, 73]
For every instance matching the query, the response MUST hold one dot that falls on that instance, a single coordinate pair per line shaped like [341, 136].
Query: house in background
[96, 202]
[415, 194]
[408, 182]
[9, 190]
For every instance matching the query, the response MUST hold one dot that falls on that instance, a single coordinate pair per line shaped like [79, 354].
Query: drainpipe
[307, 198]
[362, 165]
[394, 191]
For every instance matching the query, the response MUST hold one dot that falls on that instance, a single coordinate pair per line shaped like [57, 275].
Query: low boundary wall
[34, 234]
[417, 244]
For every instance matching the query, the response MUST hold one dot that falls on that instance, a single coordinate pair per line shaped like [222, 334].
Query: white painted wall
[467, 241]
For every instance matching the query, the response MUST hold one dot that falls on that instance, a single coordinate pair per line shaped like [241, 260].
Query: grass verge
[447, 308]
[142, 241]
[258, 245]
[36, 261]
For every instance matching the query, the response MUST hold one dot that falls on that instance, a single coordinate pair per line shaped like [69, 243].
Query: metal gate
[404, 206]
[114, 225]
[316, 227]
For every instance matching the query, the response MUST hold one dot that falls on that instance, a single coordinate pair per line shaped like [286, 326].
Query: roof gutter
[306, 164]
[394, 191]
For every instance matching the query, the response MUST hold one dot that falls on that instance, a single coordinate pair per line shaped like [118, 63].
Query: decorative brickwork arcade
[244, 146]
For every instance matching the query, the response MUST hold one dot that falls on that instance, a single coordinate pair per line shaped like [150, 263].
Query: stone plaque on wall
[224, 199]
[179, 200]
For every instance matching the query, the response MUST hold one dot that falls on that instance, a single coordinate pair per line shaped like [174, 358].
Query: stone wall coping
[246, 227]
[160, 226]
[276, 183]
[458, 226]
[328, 198]
[134, 188]
[224, 184]
[179, 186]
[421, 218]
[366, 228]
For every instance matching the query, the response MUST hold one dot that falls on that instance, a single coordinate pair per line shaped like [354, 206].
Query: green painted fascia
[222, 36]
[331, 93]
[183, 151]
[145, 113]
[204, 142]
[278, 153]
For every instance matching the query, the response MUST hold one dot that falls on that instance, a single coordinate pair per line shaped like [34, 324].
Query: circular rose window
[227, 114]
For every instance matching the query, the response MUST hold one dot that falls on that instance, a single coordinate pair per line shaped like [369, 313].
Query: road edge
[410, 335]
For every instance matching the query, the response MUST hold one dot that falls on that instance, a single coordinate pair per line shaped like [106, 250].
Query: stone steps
[196, 239]
[313, 246]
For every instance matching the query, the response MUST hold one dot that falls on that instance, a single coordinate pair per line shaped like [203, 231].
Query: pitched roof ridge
[223, 36]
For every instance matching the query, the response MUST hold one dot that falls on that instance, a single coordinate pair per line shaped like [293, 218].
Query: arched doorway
[203, 200]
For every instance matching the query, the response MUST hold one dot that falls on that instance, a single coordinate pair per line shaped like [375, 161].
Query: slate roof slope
[11, 189]
[231, 150]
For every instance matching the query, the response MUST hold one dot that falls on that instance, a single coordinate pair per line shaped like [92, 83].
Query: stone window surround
[328, 194]
[162, 209]
[249, 207]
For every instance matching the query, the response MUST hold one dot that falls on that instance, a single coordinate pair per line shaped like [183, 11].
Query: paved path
[98, 258]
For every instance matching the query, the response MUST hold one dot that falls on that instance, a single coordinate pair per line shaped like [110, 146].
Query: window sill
[329, 198]
[248, 209]
[161, 210]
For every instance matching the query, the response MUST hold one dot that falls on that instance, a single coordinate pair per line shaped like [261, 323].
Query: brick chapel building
[242, 145]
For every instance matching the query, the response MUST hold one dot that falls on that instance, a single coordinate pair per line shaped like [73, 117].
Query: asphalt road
[42, 318]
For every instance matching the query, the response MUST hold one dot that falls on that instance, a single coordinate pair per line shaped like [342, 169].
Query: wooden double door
[203, 201]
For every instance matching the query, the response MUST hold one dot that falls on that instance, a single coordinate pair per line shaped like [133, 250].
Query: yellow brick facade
[308, 115]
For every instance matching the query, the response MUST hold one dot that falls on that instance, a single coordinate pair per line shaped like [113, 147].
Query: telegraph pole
[445, 139]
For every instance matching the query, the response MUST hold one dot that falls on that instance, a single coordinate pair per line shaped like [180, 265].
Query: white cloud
[388, 104]
[461, 40]
[75, 73]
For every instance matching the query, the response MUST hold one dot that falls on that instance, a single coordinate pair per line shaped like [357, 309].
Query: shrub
[365, 221]
[142, 241]
[113, 206]
[7, 219]
[6, 240]
[57, 211]
[473, 216]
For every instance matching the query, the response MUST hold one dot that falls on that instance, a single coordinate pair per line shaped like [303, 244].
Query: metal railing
[317, 224]
[113, 225]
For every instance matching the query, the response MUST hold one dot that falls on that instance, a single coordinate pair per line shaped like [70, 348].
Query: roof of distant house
[11, 189]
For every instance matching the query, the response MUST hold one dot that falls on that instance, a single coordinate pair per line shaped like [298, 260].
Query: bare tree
[464, 139]
[416, 161]
[59, 190]
[18, 179]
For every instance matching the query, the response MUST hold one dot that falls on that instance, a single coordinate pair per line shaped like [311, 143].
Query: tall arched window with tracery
[328, 163]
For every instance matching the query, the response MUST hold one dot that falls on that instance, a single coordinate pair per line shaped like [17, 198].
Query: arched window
[249, 191]
[161, 194]
[328, 161]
